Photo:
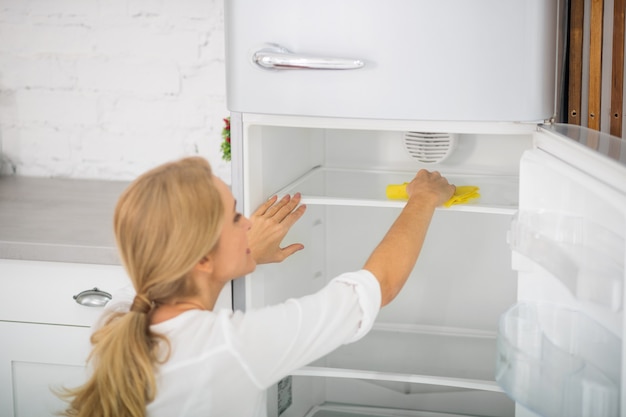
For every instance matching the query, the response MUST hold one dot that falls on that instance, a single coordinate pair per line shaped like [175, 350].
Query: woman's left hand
[270, 223]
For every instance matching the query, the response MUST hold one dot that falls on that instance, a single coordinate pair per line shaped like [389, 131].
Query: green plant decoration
[226, 140]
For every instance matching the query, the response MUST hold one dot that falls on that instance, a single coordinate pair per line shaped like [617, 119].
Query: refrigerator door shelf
[585, 257]
[558, 362]
[353, 187]
[572, 224]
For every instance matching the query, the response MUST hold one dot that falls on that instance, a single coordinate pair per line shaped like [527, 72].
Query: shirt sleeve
[274, 341]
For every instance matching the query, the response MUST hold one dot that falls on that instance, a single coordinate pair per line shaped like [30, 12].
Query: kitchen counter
[62, 220]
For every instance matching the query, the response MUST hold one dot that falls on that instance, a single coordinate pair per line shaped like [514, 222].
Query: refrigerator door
[560, 349]
[479, 60]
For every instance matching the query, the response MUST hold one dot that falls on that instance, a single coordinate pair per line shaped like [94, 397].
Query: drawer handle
[92, 298]
[278, 58]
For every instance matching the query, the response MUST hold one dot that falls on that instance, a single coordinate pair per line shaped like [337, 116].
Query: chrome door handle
[278, 58]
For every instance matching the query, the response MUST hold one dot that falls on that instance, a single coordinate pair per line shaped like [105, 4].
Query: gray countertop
[64, 220]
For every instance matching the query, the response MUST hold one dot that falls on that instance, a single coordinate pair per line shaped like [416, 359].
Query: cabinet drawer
[43, 292]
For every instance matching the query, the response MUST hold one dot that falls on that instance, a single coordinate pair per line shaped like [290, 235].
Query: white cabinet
[44, 332]
[34, 359]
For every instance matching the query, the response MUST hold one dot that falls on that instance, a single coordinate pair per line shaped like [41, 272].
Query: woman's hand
[430, 187]
[270, 223]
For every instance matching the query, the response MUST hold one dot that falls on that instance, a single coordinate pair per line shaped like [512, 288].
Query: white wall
[109, 88]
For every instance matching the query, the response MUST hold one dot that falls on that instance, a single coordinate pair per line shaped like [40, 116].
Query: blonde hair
[165, 222]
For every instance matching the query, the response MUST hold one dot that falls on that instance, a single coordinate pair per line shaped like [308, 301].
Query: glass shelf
[340, 410]
[352, 187]
[444, 357]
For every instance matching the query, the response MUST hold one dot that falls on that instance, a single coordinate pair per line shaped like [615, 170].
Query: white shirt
[222, 362]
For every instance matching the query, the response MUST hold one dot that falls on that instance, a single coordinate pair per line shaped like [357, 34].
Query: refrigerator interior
[433, 349]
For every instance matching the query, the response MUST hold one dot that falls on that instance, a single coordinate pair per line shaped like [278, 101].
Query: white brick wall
[108, 88]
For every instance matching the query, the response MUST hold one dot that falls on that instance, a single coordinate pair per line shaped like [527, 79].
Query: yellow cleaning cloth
[463, 193]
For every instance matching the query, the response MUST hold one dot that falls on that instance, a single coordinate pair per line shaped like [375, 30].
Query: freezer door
[481, 60]
[560, 349]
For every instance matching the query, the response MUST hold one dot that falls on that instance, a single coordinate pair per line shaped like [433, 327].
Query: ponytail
[123, 357]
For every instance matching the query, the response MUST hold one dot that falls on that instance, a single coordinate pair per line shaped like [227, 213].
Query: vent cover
[429, 148]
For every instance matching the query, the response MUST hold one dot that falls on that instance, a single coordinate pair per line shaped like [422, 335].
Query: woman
[181, 240]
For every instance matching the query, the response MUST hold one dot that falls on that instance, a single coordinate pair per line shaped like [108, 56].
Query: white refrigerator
[515, 306]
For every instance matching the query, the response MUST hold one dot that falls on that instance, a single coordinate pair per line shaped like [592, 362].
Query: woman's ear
[205, 264]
